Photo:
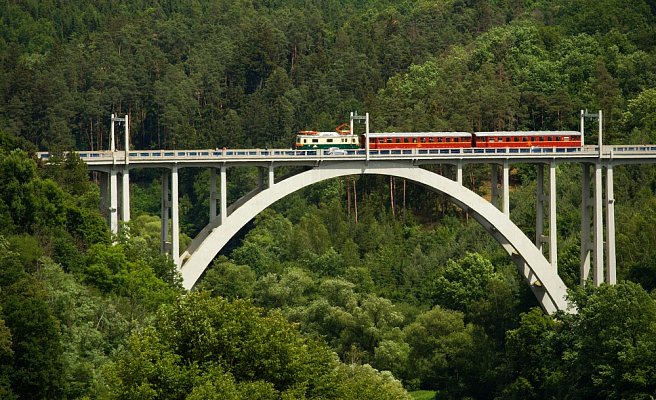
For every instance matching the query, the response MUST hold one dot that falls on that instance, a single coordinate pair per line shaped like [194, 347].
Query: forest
[356, 288]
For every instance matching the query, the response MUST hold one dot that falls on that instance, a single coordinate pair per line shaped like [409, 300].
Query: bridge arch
[543, 280]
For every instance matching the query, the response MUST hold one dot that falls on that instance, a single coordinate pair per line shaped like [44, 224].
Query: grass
[423, 395]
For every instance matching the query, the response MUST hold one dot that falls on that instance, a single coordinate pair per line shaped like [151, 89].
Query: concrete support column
[598, 270]
[539, 207]
[113, 202]
[272, 179]
[212, 193]
[611, 274]
[125, 197]
[166, 207]
[494, 183]
[585, 223]
[175, 221]
[506, 188]
[459, 172]
[553, 230]
[224, 195]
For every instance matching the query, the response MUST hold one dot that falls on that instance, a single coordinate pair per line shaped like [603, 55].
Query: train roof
[419, 134]
[529, 133]
[323, 134]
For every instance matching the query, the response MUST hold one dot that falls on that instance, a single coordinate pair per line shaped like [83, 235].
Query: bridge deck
[158, 158]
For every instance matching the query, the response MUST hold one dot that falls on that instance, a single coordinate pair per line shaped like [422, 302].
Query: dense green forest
[357, 288]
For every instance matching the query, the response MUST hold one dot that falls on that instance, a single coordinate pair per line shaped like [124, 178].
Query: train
[344, 139]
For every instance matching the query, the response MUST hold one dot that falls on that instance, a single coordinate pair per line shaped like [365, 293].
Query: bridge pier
[125, 194]
[553, 230]
[459, 172]
[611, 274]
[224, 195]
[272, 180]
[220, 196]
[595, 248]
[598, 225]
[115, 199]
[540, 198]
[175, 217]
[505, 187]
[170, 243]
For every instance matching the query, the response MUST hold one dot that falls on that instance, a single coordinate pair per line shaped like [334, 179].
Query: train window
[549, 138]
[389, 140]
[448, 140]
[304, 140]
[439, 140]
[566, 138]
[491, 139]
[524, 139]
[414, 140]
[558, 138]
[398, 140]
[315, 140]
[431, 140]
[516, 139]
[423, 140]
[329, 140]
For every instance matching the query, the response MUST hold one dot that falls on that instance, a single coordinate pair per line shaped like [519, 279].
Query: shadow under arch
[544, 281]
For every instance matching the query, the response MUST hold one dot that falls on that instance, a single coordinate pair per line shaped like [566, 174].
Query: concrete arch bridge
[539, 271]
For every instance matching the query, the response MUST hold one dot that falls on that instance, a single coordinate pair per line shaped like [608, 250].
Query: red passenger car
[528, 139]
[424, 140]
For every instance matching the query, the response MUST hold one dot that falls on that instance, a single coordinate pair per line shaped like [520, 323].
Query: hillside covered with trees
[362, 287]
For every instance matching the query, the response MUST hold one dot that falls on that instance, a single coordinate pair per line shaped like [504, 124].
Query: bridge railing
[155, 155]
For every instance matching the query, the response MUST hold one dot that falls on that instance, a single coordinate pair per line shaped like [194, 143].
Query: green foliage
[441, 346]
[228, 280]
[199, 344]
[33, 369]
[613, 350]
[606, 350]
[89, 326]
[249, 74]
[463, 282]
[639, 117]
